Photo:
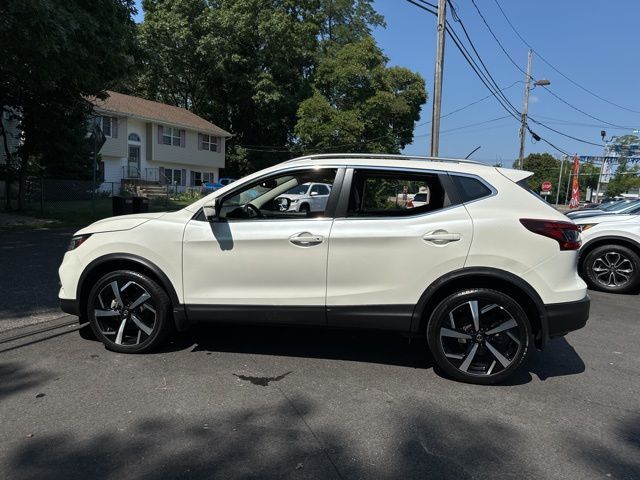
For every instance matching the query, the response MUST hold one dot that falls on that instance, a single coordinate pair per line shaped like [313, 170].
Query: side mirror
[212, 212]
[313, 194]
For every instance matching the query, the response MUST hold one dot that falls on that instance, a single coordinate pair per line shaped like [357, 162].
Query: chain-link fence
[75, 202]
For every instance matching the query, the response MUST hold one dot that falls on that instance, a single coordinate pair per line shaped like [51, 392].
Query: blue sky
[594, 43]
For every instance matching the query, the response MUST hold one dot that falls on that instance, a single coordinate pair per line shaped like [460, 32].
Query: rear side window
[470, 188]
[388, 194]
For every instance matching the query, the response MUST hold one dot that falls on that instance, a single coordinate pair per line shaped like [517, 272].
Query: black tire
[612, 268]
[305, 208]
[466, 352]
[119, 326]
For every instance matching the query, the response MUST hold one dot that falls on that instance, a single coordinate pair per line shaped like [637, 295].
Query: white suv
[306, 198]
[610, 257]
[484, 270]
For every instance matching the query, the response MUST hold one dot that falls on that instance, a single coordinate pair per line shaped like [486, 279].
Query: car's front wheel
[129, 312]
[479, 336]
[612, 268]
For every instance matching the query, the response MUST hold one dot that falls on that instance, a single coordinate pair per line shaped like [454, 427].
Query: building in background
[151, 143]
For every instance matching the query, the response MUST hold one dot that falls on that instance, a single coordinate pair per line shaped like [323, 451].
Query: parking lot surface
[229, 402]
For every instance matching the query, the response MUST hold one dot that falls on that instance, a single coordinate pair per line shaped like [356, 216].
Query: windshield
[619, 207]
[629, 207]
[299, 190]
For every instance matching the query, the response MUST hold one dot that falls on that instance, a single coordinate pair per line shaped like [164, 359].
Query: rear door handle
[306, 239]
[441, 237]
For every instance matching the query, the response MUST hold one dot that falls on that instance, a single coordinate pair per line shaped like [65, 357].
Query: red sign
[575, 187]
[546, 186]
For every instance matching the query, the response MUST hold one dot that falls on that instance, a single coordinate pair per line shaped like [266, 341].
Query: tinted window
[320, 189]
[266, 199]
[388, 194]
[470, 188]
[420, 197]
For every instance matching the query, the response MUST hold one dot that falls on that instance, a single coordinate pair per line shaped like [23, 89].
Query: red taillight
[565, 233]
[410, 204]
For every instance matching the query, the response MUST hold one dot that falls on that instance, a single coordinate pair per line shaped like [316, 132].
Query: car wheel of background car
[612, 268]
[129, 312]
[479, 336]
[304, 208]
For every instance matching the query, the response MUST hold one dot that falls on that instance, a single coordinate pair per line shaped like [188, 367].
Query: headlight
[586, 226]
[296, 200]
[77, 241]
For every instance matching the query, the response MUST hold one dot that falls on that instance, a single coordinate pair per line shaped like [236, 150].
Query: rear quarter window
[470, 188]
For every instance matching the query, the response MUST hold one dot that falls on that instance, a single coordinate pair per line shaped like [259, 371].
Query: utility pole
[523, 127]
[560, 179]
[437, 82]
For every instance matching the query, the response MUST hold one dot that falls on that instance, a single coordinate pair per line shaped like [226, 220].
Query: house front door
[133, 165]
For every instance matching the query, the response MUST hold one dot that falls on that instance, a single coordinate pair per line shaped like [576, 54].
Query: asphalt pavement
[29, 261]
[308, 403]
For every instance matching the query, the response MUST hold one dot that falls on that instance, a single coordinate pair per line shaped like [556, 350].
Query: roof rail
[382, 156]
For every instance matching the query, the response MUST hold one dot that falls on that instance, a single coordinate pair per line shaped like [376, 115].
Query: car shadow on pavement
[558, 359]
[351, 345]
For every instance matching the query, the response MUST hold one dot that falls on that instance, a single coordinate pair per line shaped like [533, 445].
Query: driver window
[283, 196]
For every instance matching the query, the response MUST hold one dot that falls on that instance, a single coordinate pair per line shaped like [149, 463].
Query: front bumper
[562, 318]
[69, 306]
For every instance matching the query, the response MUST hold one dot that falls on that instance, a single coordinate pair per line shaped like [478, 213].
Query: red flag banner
[575, 187]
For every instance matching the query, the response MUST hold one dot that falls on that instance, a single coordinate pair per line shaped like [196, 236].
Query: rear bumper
[562, 318]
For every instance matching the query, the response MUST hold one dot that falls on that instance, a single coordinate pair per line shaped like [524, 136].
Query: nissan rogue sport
[484, 270]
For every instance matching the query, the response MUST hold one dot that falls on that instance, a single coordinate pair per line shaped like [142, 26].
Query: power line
[466, 126]
[521, 70]
[466, 54]
[565, 134]
[475, 68]
[555, 69]
[470, 104]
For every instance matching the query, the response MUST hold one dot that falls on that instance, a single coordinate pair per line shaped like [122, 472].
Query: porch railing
[132, 172]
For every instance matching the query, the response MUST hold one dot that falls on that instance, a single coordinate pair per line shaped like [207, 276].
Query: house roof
[127, 105]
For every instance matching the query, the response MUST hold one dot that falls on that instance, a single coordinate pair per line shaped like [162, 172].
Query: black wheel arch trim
[495, 273]
[179, 314]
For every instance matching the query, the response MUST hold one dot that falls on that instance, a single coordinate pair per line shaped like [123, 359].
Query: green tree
[246, 65]
[56, 54]
[360, 104]
[625, 177]
[546, 168]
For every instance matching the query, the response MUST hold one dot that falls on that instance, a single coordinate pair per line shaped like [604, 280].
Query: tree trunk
[8, 165]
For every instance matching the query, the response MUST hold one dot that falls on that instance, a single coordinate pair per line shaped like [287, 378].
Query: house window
[208, 177]
[197, 179]
[173, 176]
[209, 142]
[134, 137]
[105, 125]
[172, 136]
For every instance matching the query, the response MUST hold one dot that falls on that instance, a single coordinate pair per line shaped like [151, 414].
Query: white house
[150, 142]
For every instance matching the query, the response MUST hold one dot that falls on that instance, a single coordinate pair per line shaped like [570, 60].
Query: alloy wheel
[481, 338]
[125, 313]
[613, 269]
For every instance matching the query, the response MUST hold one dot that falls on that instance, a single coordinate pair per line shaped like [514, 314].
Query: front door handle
[441, 237]
[306, 239]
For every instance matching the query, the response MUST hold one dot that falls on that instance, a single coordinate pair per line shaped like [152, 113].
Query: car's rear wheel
[129, 312]
[612, 268]
[479, 336]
